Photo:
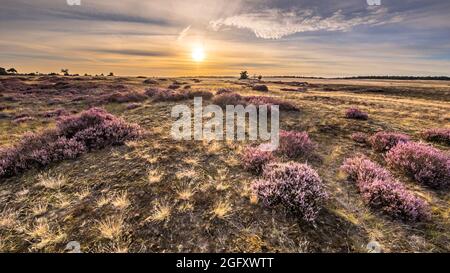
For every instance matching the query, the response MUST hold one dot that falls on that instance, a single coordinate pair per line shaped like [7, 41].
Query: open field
[160, 195]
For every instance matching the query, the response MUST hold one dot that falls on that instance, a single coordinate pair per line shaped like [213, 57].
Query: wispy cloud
[275, 23]
[183, 33]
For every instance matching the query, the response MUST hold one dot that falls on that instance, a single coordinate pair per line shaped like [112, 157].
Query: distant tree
[259, 77]
[65, 71]
[244, 75]
[12, 70]
[111, 74]
[3, 71]
[102, 75]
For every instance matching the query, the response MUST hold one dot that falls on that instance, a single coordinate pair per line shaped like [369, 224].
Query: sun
[198, 54]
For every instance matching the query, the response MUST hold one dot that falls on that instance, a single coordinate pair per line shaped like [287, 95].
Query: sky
[326, 38]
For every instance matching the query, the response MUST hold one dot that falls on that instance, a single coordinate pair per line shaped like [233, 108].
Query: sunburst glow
[198, 54]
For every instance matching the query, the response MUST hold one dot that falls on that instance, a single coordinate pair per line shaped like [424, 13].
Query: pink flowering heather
[381, 191]
[74, 135]
[296, 186]
[254, 159]
[359, 137]
[355, 113]
[203, 94]
[295, 144]
[426, 164]
[384, 141]
[441, 135]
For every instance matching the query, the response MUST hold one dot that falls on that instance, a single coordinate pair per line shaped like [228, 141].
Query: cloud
[133, 52]
[183, 33]
[276, 23]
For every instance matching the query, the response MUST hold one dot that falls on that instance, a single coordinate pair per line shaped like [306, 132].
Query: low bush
[254, 159]
[426, 164]
[384, 141]
[228, 99]
[381, 191]
[74, 135]
[126, 97]
[355, 113]
[161, 94]
[295, 144]
[260, 87]
[441, 135]
[296, 186]
[359, 137]
[223, 91]
[150, 81]
[204, 94]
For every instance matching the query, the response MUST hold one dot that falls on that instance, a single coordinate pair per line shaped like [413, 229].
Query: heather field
[361, 163]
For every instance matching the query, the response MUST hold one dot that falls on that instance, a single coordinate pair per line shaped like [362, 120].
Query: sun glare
[198, 54]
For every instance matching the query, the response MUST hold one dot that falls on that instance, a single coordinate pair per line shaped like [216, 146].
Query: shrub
[223, 91]
[359, 137]
[355, 113]
[204, 94]
[260, 87]
[228, 99]
[425, 164]
[126, 97]
[55, 113]
[174, 86]
[150, 81]
[296, 186]
[132, 106]
[254, 159]
[74, 135]
[381, 191]
[384, 141]
[294, 144]
[441, 135]
[161, 94]
[262, 100]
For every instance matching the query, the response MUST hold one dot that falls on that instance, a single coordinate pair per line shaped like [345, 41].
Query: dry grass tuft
[111, 227]
[45, 235]
[8, 218]
[121, 200]
[52, 182]
[221, 209]
[155, 176]
[161, 212]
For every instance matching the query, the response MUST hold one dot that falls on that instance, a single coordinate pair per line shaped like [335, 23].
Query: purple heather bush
[73, 135]
[359, 137]
[381, 191]
[295, 144]
[384, 141]
[355, 113]
[296, 186]
[441, 135]
[426, 164]
[254, 159]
